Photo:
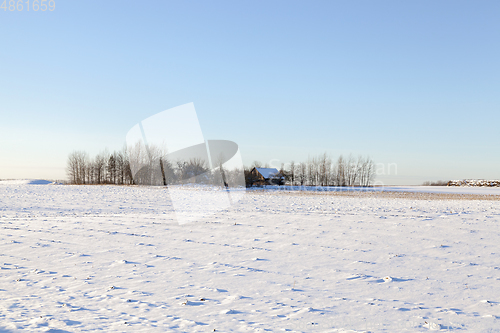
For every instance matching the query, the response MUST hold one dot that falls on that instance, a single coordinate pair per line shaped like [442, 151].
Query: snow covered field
[416, 189]
[113, 258]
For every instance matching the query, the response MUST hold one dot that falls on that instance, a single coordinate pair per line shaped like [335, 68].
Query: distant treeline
[139, 166]
[475, 182]
[146, 166]
[436, 183]
[104, 168]
[464, 182]
[323, 171]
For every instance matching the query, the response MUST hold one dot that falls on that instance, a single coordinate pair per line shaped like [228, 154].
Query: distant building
[266, 176]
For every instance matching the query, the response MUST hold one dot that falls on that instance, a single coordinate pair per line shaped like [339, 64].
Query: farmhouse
[266, 176]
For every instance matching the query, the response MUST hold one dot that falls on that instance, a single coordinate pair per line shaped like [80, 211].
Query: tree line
[104, 168]
[323, 171]
[142, 165]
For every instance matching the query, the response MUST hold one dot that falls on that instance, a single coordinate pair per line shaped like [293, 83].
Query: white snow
[25, 182]
[113, 258]
[416, 189]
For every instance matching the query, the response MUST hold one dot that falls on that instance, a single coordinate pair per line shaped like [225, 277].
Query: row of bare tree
[150, 166]
[323, 171]
[105, 168]
[141, 165]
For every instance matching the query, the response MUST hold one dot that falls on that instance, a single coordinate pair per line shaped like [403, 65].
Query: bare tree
[145, 166]
[256, 164]
[194, 170]
[341, 172]
[72, 168]
[292, 173]
[284, 173]
[111, 168]
[168, 171]
[302, 173]
[100, 168]
[324, 169]
[367, 172]
[77, 167]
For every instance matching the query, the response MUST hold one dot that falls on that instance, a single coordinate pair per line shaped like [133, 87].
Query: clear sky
[411, 83]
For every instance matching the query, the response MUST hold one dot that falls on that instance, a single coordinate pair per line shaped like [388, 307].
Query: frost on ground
[85, 258]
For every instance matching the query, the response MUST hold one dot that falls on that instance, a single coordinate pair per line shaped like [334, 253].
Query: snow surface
[416, 189]
[113, 258]
[25, 182]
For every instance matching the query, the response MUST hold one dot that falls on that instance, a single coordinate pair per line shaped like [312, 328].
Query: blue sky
[410, 83]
